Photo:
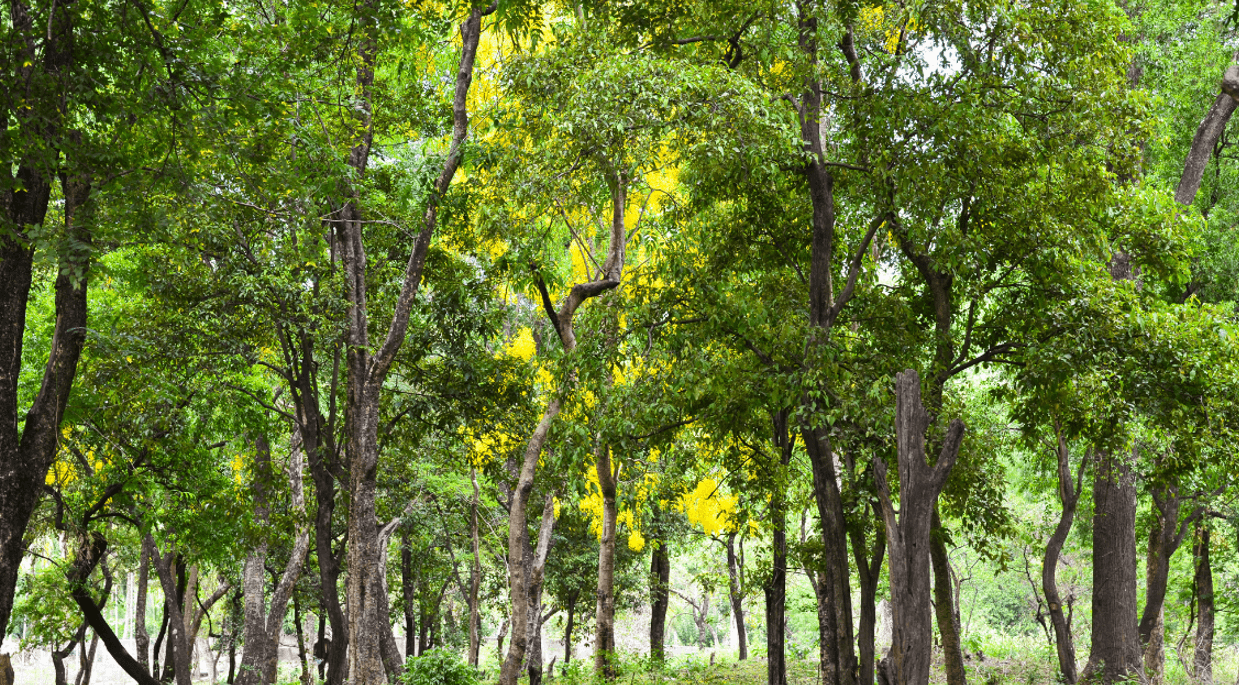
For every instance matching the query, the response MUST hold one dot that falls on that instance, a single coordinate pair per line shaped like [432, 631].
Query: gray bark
[1069, 496]
[604, 634]
[1207, 135]
[734, 589]
[1202, 662]
[1115, 653]
[908, 530]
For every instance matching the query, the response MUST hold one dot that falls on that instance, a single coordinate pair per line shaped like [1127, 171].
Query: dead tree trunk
[908, 530]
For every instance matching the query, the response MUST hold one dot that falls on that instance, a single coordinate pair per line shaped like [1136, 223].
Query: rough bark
[26, 455]
[1207, 134]
[409, 595]
[734, 591]
[604, 633]
[1165, 537]
[264, 624]
[1069, 497]
[908, 530]
[524, 572]
[475, 578]
[946, 604]
[368, 366]
[1202, 661]
[1115, 652]
[142, 640]
[869, 570]
[660, 595]
[166, 566]
[90, 554]
[776, 584]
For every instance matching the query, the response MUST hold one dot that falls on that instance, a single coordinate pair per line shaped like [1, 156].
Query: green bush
[438, 667]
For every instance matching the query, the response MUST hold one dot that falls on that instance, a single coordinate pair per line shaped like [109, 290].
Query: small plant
[438, 667]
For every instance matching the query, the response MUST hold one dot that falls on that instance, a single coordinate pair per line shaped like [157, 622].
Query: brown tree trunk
[1115, 652]
[1202, 663]
[141, 639]
[168, 567]
[26, 455]
[604, 634]
[660, 594]
[1069, 496]
[908, 530]
[368, 366]
[869, 569]
[525, 565]
[737, 599]
[264, 624]
[475, 578]
[1211, 128]
[409, 594]
[946, 605]
[572, 599]
[776, 585]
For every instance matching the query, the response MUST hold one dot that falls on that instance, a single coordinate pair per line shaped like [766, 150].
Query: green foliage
[438, 667]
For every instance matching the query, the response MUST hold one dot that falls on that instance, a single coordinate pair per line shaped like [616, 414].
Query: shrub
[438, 667]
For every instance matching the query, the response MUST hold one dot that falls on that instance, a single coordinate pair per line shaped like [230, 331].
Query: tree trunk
[1165, 536]
[1115, 653]
[475, 578]
[946, 606]
[173, 587]
[737, 599]
[368, 366]
[142, 640]
[1207, 135]
[28, 453]
[838, 665]
[660, 595]
[869, 569]
[568, 628]
[1202, 663]
[409, 594]
[263, 624]
[1069, 496]
[776, 585]
[306, 678]
[604, 634]
[524, 572]
[908, 530]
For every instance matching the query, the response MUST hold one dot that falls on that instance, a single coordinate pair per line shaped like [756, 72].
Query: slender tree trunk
[306, 678]
[1069, 496]
[776, 585]
[568, 628]
[907, 529]
[87, 661]
[142, 640]
[525, 565]
[166, 565]
[475, 578]
[409, 594]
[946, 605]
[1202, 662]
[869, 569]
[1165, 536]
[737, 599]
[660, 595]
[1211, 128]
[604, 635]
[1115, 653]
